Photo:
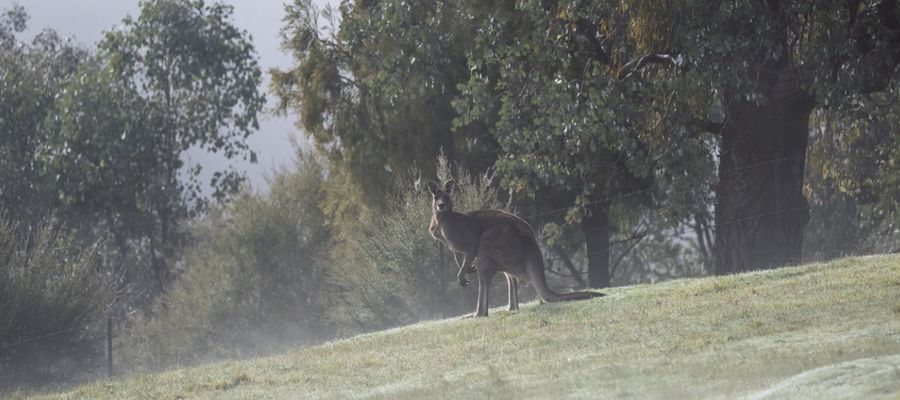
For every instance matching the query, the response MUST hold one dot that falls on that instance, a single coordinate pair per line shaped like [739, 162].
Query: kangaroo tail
[550, 296]
[535, 267]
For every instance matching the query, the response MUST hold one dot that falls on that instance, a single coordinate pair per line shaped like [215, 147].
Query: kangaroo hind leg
[487, 268]
[513, 285]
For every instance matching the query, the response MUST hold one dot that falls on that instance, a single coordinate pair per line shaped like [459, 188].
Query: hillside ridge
[750, 335]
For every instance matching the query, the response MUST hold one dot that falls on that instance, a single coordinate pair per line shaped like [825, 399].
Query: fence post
[778, 223]
[109, 347]
[442, 286]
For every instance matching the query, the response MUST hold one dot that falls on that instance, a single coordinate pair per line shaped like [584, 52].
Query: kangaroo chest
[457, 231]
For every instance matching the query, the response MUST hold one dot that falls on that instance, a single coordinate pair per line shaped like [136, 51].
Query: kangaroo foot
[472, 315]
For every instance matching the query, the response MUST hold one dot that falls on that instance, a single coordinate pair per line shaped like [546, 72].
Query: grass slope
[830, 330]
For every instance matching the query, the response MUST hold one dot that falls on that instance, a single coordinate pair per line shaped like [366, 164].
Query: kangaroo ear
[449, 186]
[432, 187]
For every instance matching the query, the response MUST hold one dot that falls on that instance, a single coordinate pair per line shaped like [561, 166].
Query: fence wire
[684, 230]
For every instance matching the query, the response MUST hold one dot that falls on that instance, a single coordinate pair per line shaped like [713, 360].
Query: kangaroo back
[528, 251]
[488, 218]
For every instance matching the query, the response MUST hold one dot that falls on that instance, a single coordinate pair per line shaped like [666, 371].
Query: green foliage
[391, 271]
[565, 119]
[197, 71]
[737, 48]
[602, 97]
[55, 298]
[99, 157]
[254, 280]
[98, 139]
[577, 123]
[31, 79]
[374, 93]
[510, 87]
[198, 82]
[853, 179]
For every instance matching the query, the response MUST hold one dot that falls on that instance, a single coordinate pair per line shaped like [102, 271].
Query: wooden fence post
[109, 347]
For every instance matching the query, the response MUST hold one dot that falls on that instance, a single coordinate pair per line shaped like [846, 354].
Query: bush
[392, 271]
[251, 283]
[54, 301]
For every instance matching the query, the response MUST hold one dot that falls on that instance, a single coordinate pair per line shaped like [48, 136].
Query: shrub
[391, 272]
[54, 301]
[251, 282]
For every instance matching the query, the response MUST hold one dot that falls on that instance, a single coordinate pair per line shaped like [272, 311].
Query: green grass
[827, 330]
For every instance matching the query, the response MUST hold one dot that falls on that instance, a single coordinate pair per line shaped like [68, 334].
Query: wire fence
[110, 321]
[778, 210]
[685, 230]
[651, 188]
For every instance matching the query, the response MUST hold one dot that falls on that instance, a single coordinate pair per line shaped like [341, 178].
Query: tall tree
[571, 117]
[748, 74]
[99, 156]
[199, 79]
[374, 93]
[31, 79]
[594, 99]
[523, 85]
[769, 64]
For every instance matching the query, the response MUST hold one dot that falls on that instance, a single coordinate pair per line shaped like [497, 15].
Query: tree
[97, 139]
[382, 93]
[743, 77]
[374, 95]
[852, 179]
[571, 120]
[598, 99]
[99, 155]
[31, 78]
[198, 79]
[768, 65]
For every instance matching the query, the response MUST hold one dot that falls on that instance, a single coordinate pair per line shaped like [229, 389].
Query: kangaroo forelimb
[467, 266]
[459, 265]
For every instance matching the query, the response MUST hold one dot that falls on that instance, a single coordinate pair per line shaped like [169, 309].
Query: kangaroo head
[440, 197]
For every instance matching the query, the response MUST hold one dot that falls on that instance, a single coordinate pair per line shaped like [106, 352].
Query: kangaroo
[459, 241]
[500, 241]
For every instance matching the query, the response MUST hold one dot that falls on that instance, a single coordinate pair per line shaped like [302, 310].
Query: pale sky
[85, 21]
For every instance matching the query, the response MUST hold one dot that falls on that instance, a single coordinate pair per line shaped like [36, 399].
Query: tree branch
[576, 274]
[853, 8]
[637, 64]
[588, 30]
[635, 239]
[706, 125]
[886, 13]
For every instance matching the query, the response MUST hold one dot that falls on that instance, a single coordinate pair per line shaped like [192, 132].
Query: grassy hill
[828, 330]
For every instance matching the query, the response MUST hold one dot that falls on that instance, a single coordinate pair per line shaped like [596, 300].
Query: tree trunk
[596, 235]
[159, 252]
[760, 209]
